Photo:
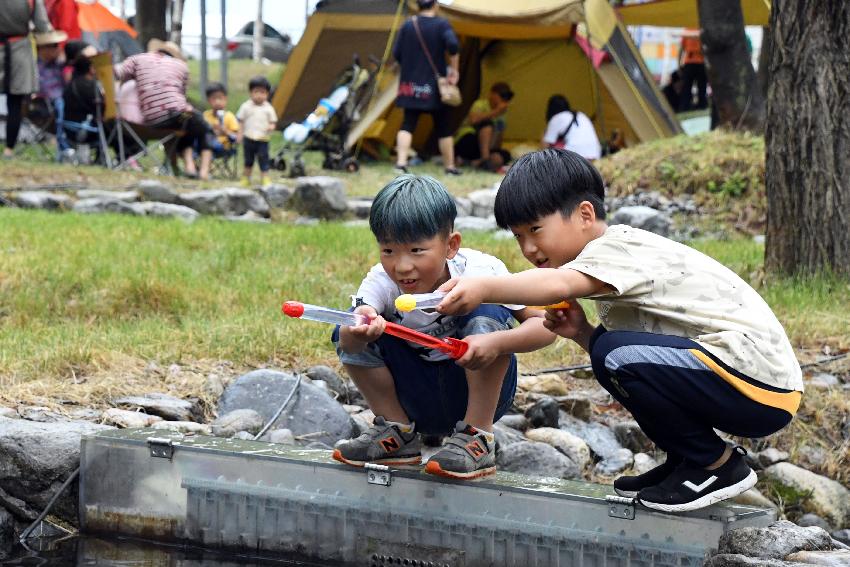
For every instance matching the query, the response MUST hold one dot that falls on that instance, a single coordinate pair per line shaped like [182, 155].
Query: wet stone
[544, 413]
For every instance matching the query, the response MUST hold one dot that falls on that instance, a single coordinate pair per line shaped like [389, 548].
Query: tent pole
[223, 61]
[204, 62]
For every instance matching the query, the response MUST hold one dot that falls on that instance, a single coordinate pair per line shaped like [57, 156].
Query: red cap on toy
[293, 309]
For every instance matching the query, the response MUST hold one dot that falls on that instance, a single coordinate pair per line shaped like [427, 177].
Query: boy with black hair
[257, 120]
[223, 122]
[411, 389]
[479, 140]
[685, 344]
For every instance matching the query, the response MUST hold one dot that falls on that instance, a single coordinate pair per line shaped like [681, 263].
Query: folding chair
[225, 162]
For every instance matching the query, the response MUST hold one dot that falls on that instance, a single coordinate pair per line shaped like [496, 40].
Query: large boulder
[41, 200]
[276, 195]
[7, 533]
[168, 210]
[483, 202]
[776, 541]
[828, 498]
[311, 409]
[230, 201]
[97, 205]
[126, 196]
[598, 437]
[154, 190]
[536, 459]
[236, 421]
[320, 197]
[642, 217]
[36, 458]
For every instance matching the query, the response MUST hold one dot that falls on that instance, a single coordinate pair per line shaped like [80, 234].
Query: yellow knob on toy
[405, 303]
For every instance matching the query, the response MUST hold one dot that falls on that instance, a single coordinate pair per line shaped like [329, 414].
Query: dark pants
[469, 148]
[255, 149]
[676, 399]
[197, 131]
[693, 73]
[440, 116]
[15, 108]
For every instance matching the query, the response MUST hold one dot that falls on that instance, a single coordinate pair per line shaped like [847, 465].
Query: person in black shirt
[418, 91]
[81, 100]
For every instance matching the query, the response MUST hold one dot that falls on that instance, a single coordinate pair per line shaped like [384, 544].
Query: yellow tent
[683, 13]
[540, 47]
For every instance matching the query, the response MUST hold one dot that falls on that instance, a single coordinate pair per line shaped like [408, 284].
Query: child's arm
[529, 336]
[354, 339]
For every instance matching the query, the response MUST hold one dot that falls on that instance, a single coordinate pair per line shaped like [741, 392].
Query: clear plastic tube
[323, 314]
[409, 302]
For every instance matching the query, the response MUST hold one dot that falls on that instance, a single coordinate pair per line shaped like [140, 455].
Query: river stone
[565, 442]
[753, 497]
[163, 405]
[506, 436]
[842, 536]
[281, 437]
[463, 206]
[738, 560]
[643, 463]
[41, 200]
[577, 405]
[17, 507]
[7, 533]
[771, 456]
[829, 499]
[184, 427]
[309, 411]
[230, 201]
[614, 464]
[631, 436]
[836, 558]
[333, 380]
[126, 196]
[809, 520]
[236, 421]
[320, 197]
[168, 210]
[544, 413]
[128, 419]
[36, 458]
[10, 413]
[249, 217]
[276, 195]
[514, 421]
[106, 205]
[154, 190]
[550, 384]
[645, 218]
[536, 459]
[775, 541]
[464, 224]
[40, 414]
[360, 208]
[483, 202]
[598, 437]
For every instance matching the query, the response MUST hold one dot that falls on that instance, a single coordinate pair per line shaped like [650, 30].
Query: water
[76, 551]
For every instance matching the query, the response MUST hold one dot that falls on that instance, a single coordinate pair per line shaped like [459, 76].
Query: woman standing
[18, 73]
[418, 91]
[570, 129]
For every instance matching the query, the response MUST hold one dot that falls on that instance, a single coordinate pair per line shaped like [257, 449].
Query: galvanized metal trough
[257, 497]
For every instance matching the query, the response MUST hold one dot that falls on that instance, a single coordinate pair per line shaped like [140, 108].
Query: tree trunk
[734, 87]
[259, 28]
[808, 137]
[177, 22]
[150, 20]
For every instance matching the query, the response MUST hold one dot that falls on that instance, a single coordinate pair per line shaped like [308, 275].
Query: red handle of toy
[455, 348]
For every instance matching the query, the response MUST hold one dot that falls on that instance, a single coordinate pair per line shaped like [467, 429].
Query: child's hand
[481, 353]
[570, 323]
[462, 295]
[370, 332]
[239, 137]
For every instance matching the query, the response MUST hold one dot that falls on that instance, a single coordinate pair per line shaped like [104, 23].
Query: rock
[359, 207]
[360, 423]
[310, 410]
[87, 414]
[276, 195]
[738, 560]
[536, 459]
[577, 405]
[106, 205]
[813, 456]
[40, 414]
[506, 436]
[335, 383]
[567, 443]
[615, 464]
[598, 437]
[7, 533]
[809, 520]
[320, 197]
[184, 427]
[842, 535]
[823, 381]
[214, 386]
[243, 435]
[770, 456]
[544, 413]
[753, 497]
[155, 190]
[463, 224]
[464, 206]
[837, 558]
[230, 201]
[631, 436]
[318, 446]
[163, 405]
[550, 384]
[250, 217]
[775, 541]
[281, 437]
[306, 221]
[238, 420]
[10, 413]
[514, 421]
[168, 210]
[829, 499]
[42, 200]
[128, 419]
[645, 218]
[643, 463]
[17, 507]
[352, 409]
[126, 196]
[36, 458]
[483, 202]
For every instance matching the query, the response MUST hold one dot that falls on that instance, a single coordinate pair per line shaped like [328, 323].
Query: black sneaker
[629, 486]
[400, 169]
[692, 488]
[453, 171]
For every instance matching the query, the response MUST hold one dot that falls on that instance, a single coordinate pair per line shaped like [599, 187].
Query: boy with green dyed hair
[414, 390]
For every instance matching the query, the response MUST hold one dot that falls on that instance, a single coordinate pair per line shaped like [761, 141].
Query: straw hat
[51, 37]
[167, 46]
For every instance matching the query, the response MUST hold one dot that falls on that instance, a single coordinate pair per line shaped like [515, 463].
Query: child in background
[257, 120]
[415, 390]
[685, 344]
[223, 122]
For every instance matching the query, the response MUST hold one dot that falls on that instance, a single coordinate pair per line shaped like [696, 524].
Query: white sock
[403, 427]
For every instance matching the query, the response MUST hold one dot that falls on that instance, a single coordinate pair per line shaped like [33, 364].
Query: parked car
[276, 46]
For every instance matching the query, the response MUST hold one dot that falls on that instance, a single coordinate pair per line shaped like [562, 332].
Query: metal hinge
[620, 507]
[161, 448]
[378, 474]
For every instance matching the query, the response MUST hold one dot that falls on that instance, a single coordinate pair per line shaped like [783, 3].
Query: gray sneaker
[466, 455]
[382, 444]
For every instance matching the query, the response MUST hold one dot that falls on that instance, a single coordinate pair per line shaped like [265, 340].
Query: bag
[449, 93]
[561, 141]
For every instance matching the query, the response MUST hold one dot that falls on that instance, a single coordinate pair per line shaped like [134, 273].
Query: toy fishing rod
[455, 348]
[408, 302]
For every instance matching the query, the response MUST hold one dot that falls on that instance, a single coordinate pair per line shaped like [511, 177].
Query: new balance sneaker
[629, 486]
[399, 169]
[691, 488]
[383, 443]
[467, 454]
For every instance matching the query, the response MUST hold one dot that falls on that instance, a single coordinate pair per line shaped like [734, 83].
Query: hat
[50, 37]
[167, 46]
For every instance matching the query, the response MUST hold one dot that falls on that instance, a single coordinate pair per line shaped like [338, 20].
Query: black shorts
[440, 116]
[255, 148]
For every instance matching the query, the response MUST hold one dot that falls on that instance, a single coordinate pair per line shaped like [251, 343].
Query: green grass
[100, 296]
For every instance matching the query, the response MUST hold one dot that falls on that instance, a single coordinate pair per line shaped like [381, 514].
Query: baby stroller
[327, 127]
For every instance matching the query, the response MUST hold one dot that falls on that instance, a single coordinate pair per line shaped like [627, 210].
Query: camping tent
[683, 13]
[541, 47]
[105, 30]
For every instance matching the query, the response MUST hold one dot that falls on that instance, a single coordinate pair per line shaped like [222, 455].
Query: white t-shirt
[661, 286]
[581, 138]
[256, 120]
[378, 290]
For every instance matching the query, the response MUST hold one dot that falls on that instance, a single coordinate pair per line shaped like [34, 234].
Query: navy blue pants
[676, 398]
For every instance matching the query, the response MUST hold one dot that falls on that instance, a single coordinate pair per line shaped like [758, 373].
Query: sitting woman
[570, 129]
[82, 98]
